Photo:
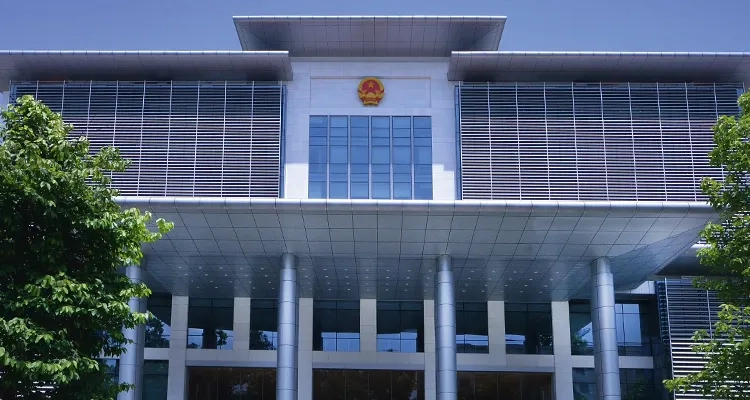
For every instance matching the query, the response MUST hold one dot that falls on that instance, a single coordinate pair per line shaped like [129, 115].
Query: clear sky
[586, 25]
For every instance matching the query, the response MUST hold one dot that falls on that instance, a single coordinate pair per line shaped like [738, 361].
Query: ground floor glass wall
[231, 383]
[336, 384]
[504, 386]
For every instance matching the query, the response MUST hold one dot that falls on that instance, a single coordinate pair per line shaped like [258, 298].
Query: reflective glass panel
[210, 323]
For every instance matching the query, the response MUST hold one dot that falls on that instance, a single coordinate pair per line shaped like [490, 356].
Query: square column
[606, 358]
[368, 330]
[304, 361]
[445, 331]
[241, 324]
[177, 378]
[131, 361]
[288, 328]
[561, 347]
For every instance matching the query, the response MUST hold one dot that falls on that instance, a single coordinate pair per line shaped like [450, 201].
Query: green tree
[63, 240]
[155, 333]
[726, 374]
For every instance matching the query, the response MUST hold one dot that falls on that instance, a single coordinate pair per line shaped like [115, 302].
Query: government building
[390, 208]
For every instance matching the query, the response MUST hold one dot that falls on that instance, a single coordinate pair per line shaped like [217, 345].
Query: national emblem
[371, 91]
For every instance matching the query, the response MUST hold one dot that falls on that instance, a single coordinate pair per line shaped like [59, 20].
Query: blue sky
[588, 25]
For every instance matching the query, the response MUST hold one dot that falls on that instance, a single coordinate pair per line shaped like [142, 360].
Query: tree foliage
[63, 240]
[727, 350]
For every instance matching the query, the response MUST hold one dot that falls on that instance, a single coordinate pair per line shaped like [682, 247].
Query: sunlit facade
[391, 208]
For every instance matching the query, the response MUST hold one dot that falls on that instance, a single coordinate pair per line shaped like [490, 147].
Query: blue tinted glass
[360, 178]
[423, 191]
[319, 132]
[360, 132]
[360, 141]
[424, 133]
[381, 122]
[317, 190]
[381, 169]
[318, 141]
[381, 133]
[360, 155]
[360, 169]
[360, 190]
[343, 132]
[423, 155]
[381, 178]
[360, 122]
[402, 191]
[380, 155]
[318, 155]
[422, 122]
[338, 177]
[338, 154]
[402, 133]
[338, 169]
[339, 141]
[423, 142]
[422, 176]
[319, 121]
[381, 141]
[401, 155]
[402, 178]
[338, 190]
[402, 122]
[402, 142]
[318, 172]
[402, 169]
[381, 190]
[339, 122]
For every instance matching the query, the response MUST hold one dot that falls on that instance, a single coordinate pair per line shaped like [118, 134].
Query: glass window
[155, 379]
[528, 328]
[264, 319]
[370, 143]
[211, 383]
[210, 324]
[472, 333]
[633, 322]
[335, 325]
[353, 384]
[635, 384]
[111, 368]
[157, 327]
[400, 326]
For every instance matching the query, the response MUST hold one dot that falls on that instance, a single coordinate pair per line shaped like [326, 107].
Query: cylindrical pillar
[286, 350]
[606, 359]
[131, 361]
[445, 331]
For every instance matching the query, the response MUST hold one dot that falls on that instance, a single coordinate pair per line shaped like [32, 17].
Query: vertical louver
[684, 309]
[184, 138]
[589, 141]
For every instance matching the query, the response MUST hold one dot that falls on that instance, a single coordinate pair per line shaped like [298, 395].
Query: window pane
[402, 122]
[318, 155]
[317, 190]
[338, 190]
[380, 155]
[381, 122]
[360, 122]
[422, 122]
[381, 190]
[401, 155]
[402, 191]
[360, 155]
[423, 155]
[423, 191]
[339, 122]
[210, 326]
[319, 132]
[318, 121]
[338, 154]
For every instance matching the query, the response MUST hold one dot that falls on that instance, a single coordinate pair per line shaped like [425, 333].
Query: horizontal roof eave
[369, 36]
[16, 65]
[599, 66]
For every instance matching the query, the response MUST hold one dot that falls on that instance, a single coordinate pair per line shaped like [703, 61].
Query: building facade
[390, 207]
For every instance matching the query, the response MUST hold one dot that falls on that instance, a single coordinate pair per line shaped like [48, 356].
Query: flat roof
[143, 65]
[509, 66]
[369, 36]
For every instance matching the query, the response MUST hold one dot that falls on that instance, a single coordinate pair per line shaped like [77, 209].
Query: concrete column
[368, 330]
[496, 327]
[304, 362]
[286, 352]
[561, 348]
[429, 350]
[131, 361]
[606, 359]
[177, 378]
[241, 324]
[445, 331]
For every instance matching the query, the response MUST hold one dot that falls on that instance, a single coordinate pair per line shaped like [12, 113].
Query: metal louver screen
[183, 138]
[589, 141]
[684, 309]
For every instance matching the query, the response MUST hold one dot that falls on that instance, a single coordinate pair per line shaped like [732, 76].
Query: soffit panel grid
[143, 65]
[387, 250]
[369, 36]
[589, 141]
[500, 66]
[183, 138]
